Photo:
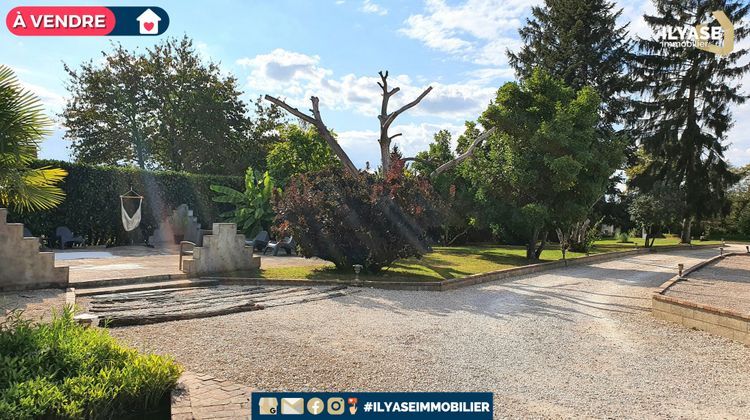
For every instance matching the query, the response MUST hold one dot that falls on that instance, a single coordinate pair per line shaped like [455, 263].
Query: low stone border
[450, 284]
[199, 396]
[719, 321]
[88, 284]
[70, 297]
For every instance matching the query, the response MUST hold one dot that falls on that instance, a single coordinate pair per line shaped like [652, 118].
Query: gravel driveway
[576, 342]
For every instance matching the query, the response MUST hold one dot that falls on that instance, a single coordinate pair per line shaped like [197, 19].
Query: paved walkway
[99, 263]
[576, 342]
[200, 396]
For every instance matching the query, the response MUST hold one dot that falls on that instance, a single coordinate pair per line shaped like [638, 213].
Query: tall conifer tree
[681, 111]
[580, 43]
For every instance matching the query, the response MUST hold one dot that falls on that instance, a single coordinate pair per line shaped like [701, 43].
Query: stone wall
[717, 321]
[22, 266]
[222, 251]
[720, 321]
[164, 234]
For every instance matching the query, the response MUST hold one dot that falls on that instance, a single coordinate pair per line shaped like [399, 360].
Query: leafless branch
[317, 121]
[469, 152]
[386, 119]
[392, 117]
[416, 159]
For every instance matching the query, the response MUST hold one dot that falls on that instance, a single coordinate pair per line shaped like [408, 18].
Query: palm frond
[23, 125]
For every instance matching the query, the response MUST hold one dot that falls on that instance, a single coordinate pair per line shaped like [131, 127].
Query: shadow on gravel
[503, 301]
[570, 298]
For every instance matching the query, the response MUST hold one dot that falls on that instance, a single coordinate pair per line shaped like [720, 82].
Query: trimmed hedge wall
[92, 202]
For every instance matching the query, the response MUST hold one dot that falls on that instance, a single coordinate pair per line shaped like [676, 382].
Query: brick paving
[199, 396]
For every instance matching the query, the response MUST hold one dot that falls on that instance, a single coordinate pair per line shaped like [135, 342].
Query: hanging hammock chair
[128, 222]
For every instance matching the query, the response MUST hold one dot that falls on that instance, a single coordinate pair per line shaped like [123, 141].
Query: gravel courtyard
[576, 342]
[724, 284]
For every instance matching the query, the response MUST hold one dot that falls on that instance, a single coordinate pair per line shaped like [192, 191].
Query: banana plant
[253, 211]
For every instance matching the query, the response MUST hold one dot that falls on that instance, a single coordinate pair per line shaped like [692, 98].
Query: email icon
[292, 406]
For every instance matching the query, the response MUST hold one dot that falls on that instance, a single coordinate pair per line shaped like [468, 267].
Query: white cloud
[477, 30]
[203, 51]
[53, 101]
[373, 8]
[297, 76]
[633, 12]
[490, 75]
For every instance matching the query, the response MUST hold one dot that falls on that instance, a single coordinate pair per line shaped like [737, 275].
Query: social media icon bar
[343, 405]
[295, 406]
[268, 406]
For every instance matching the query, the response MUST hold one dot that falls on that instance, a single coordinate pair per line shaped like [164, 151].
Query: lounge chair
[260, 242]
[67, 238]
[287, 244]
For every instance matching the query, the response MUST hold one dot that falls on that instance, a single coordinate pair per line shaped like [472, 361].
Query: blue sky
[334, 49]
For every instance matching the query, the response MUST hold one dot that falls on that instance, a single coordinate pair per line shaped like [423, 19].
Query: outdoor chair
[67, 238]
[186, 250]
[287, 244]
[260, 242]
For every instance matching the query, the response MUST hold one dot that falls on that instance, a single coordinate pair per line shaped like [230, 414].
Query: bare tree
[385, 118]
[317, 122]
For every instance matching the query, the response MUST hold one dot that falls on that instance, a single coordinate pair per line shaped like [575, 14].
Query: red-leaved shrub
[359, 219]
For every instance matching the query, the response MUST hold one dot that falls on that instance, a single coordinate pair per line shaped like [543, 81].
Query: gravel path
[577, 342]
[724, 284]
[35, 304]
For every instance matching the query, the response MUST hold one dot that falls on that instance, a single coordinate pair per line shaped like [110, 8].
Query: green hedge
[92, 202]
[63, 370]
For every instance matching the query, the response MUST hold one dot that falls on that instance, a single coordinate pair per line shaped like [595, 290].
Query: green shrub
[63, 370]
[624, 238]
[92, 204]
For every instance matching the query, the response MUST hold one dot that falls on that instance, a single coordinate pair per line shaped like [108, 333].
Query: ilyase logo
[726, 46]
[717, 39]
[86, 21]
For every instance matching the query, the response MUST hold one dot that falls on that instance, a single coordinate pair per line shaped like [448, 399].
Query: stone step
[14, 230]
[3, 215]
[30, 245]
[47, 258]
[90, 284]
[145, 286]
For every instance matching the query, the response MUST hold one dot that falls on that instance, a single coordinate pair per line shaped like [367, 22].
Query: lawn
[454, 262]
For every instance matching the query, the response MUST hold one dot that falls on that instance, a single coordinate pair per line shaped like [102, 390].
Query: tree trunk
[531, 245]
[385, 157]
[685, 236]
[538, 251]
